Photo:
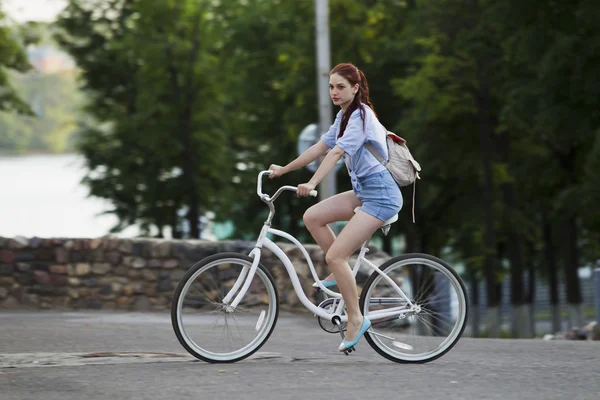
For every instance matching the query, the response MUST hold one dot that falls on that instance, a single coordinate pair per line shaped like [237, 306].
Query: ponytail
[364, 90]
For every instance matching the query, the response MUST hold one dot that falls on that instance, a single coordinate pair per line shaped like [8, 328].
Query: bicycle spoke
[228, 333]
[432, 327]
[427, 324]
[238, 327]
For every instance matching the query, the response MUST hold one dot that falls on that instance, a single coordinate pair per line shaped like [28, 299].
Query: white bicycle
[226, 306]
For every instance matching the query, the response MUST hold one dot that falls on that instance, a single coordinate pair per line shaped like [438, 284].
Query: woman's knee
[334, 257]
[311, 218]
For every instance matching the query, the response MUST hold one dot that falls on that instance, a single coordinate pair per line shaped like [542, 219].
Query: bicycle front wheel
[439, 313]
[211, 330]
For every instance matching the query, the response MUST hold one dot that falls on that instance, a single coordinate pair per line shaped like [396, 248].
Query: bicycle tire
[181, 285]
[390, 263]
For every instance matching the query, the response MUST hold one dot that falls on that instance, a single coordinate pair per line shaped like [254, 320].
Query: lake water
[41, 195]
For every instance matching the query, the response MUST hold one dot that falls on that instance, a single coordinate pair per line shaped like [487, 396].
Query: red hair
[353, 75]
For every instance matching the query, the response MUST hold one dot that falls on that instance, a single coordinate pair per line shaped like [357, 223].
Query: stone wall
[124, 274]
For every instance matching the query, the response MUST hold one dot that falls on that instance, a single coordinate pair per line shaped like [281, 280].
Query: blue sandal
[326, 283]
[366, 324]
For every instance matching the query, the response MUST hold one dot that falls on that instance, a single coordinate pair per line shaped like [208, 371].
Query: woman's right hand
[277, 171]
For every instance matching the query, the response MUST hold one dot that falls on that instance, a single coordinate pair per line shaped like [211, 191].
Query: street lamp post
[327, 187]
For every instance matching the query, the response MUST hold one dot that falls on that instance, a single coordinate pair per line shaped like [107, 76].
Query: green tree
[191, 99]
[52, 96]
[12, 58]
[452, 97]
[270, 48]
[556, 44]
[147, 68]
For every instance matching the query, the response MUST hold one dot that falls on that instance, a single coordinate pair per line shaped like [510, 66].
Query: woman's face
[341, 91]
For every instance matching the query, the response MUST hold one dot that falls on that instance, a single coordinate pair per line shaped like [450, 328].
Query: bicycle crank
[326, 324]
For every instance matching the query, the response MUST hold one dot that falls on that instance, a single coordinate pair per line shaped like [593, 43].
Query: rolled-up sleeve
[354, 135]
[329, 137]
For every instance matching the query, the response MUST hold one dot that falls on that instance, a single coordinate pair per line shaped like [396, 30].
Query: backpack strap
[413, 202]
[375, 153]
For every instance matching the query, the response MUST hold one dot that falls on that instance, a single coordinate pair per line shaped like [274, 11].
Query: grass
[504, 334]
[588, 312]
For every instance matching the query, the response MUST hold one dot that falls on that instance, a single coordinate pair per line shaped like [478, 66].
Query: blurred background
[153, 118]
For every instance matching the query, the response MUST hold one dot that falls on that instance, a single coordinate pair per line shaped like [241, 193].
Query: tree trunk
[387, 244]
[175, 231]
[571, 266]
[294, 227]
[496, 316]
[411, 241]
[474, 306]
[423, 245]
[550, 261]
[520, 324]
[489, 249]
[530, 300]
[189, 175]
[186, 93]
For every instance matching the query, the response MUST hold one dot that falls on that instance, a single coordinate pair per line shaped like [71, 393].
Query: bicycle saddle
[385, 226]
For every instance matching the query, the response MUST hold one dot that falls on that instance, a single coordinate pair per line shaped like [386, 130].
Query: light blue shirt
[359, 160]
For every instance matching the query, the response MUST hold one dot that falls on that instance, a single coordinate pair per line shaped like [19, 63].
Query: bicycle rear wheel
[423, 335]
[209, 329]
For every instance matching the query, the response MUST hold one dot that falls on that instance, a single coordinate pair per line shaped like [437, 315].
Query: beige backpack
[404, 168]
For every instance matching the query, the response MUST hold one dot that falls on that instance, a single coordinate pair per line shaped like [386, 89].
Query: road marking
[27, 360]
[24, 360]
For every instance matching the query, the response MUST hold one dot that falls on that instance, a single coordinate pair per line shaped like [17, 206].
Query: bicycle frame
[243, 281]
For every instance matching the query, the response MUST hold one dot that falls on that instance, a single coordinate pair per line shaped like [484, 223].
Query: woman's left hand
[304, 189]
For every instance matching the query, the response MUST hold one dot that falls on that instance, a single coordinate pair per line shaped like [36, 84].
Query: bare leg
[360, 228]
[335, 208]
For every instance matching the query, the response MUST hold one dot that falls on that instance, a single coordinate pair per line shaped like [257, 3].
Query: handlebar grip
[313, 193]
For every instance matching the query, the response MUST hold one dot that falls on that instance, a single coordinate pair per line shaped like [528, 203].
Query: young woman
[373, 188]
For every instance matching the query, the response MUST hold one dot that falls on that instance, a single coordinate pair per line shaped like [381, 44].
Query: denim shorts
[380, 195]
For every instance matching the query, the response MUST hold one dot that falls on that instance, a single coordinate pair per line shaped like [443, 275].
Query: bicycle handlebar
[266, 197]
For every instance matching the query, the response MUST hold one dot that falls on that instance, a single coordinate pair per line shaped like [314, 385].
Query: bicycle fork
[244, 279]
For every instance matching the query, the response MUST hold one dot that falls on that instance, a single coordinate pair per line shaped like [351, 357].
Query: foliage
[498, 101]
[44, 115]
[12, 57]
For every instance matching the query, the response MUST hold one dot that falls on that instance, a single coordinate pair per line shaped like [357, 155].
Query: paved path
[103, 355]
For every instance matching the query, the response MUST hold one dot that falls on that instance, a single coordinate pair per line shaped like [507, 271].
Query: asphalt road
[104, 355]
